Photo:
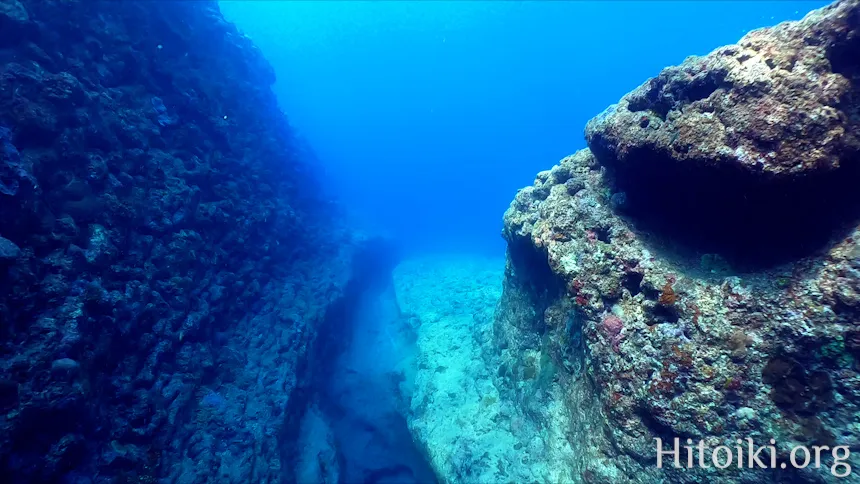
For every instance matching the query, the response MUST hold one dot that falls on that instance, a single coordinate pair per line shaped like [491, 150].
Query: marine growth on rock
[732, 262]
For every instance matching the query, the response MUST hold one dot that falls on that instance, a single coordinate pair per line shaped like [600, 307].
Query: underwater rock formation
[167, 253]
[694, 272]
[775, 118]
[364, 360]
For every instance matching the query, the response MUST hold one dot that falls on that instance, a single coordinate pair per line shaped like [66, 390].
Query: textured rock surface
[775, 118]
[674, 286]
[781, 102]
[165, 254]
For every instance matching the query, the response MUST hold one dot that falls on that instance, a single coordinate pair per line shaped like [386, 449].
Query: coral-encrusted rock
[782, 101]
[753, 150]
[658, 334]
[166, 256]
[649, 346]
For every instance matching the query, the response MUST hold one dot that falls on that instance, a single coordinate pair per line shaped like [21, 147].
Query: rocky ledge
[695, 273]
[749, 150]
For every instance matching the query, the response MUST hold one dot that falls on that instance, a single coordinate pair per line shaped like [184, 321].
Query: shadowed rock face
[755, 145]
[694, 273]
[165, 253]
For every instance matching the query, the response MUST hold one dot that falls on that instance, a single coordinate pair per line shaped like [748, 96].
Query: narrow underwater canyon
[183, 301]
[362, 368]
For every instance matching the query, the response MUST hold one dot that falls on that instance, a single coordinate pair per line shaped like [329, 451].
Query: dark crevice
[651, 101]
[324, 352]
[603, 234]
[701, 89]
[843, 54]
[532, 265]
[357, 430]
[542, 284]
[664, 314]
[664, 94]
[632, 282]
[750, 220]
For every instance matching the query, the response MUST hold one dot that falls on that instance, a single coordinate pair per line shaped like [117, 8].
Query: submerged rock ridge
[695, 273]
[167, 252]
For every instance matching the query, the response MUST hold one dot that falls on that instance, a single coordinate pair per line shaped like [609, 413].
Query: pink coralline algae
[613, 325]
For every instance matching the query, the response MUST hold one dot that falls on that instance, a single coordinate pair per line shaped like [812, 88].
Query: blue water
[428, 116]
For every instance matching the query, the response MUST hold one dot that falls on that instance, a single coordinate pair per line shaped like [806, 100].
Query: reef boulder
[755, 143]
[780, 102]
[693, 274]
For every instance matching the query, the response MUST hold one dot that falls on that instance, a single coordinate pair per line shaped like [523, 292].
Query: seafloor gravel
[469, 433]
[455, 409]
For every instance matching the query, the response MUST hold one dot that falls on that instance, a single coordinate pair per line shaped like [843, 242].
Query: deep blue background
[428, 116]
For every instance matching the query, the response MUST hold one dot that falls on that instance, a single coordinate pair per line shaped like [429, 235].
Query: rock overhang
[752, 147]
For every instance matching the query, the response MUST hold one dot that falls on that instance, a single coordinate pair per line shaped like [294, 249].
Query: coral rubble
[467, 432]
[694, 272]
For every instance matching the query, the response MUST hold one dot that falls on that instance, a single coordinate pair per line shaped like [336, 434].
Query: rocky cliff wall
[166, 251]
[694, 273]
